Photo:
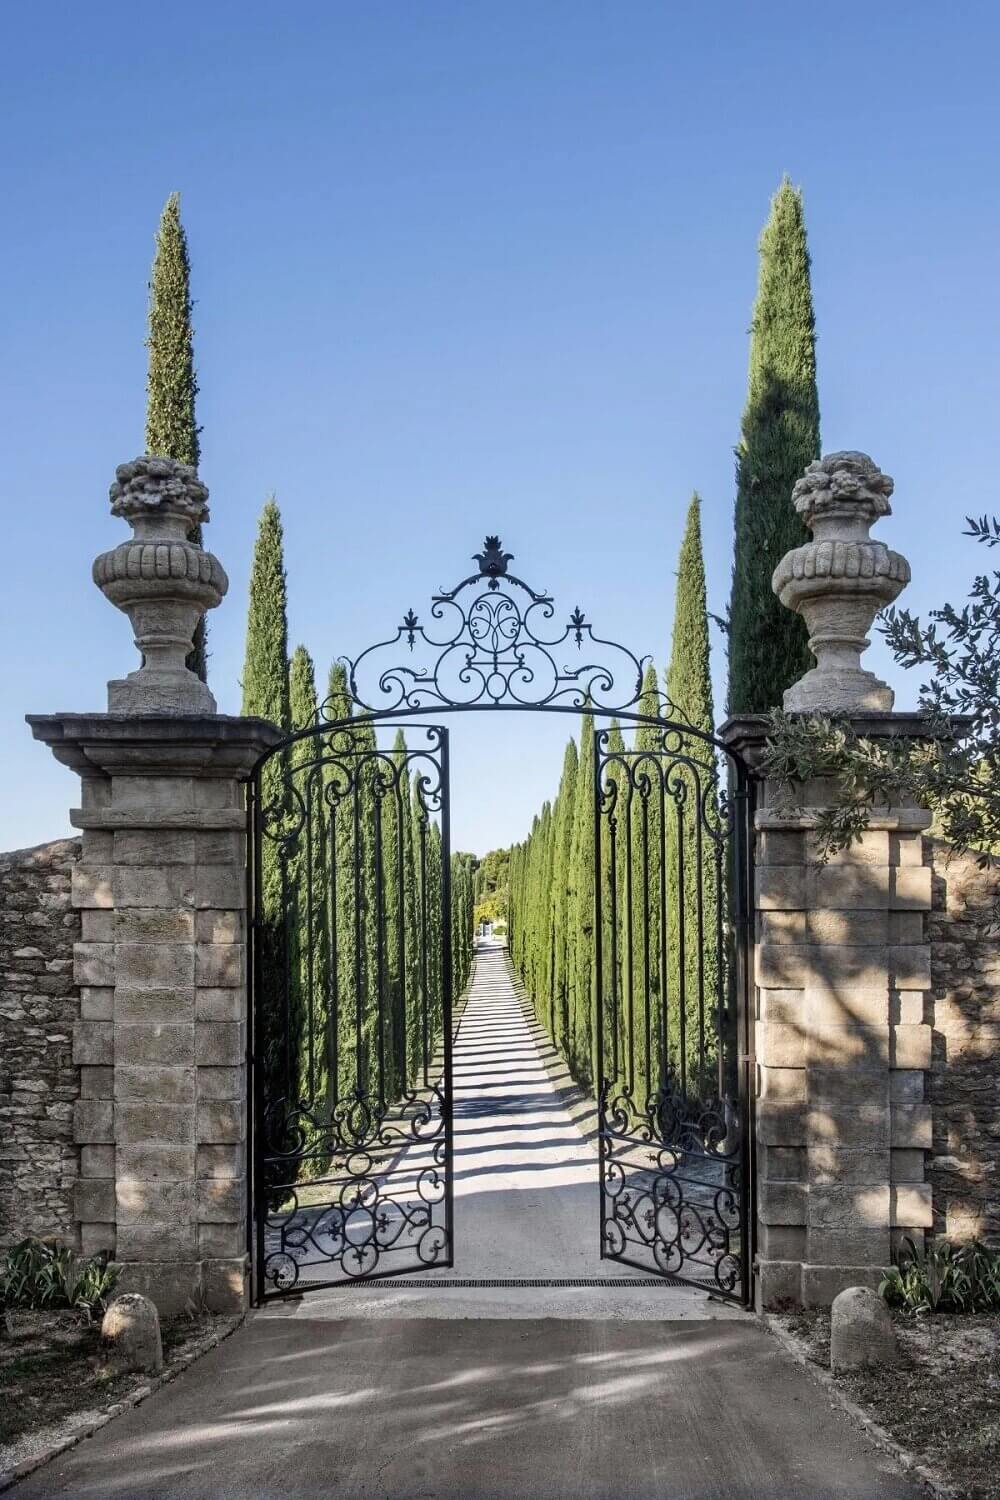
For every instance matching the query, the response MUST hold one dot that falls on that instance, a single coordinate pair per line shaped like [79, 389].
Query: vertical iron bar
[446, 999]
[600, 1080]
[681, 953]
[309, 998]
[333, 979]
[423, 945]
[400, 1041]
[380, 1005]
[286, 959]
[615, 976]
[661, 815]
[700, 929]
[645, 941]
[360, 1081]
[629, 1040]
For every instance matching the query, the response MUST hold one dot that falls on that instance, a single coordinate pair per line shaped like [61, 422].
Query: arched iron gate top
[489, 644]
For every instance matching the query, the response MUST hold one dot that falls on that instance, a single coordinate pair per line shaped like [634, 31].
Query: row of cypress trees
[666, 890]
[372, 940]
[551, 873]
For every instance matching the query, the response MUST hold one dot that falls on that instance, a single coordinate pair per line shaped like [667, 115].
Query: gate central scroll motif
[353, 954]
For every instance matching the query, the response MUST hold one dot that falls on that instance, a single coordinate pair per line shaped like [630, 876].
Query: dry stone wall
[39, 1006]
[964, 1084]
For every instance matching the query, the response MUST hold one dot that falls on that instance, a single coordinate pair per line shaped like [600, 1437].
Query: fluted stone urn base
[835, 692]
[147, 692]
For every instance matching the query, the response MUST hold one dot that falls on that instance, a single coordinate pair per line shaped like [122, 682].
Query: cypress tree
[265, 662]
[339, 775]
[780, 435]
[614, 856]
[423, 902]
[689, 687]
[373, 1051]
[308, 891]
[563, 841]
[171, 384]
[581, 907]
[646, 814]
[266, 695]
[397, 809]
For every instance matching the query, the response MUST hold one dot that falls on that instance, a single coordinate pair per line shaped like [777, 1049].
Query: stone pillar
[842, 1040]
[161, 1119]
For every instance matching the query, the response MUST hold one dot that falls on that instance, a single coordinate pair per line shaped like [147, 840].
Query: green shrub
[944, 1278]
[44, 1275]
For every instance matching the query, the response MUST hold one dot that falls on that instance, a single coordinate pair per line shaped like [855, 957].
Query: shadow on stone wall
[39, 1004]
[964, 1167]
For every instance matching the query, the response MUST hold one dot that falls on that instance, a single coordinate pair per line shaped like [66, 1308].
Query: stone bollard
[861, 1331]
[130, 1336]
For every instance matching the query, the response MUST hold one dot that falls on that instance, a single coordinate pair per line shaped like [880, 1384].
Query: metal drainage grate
[426, 1284]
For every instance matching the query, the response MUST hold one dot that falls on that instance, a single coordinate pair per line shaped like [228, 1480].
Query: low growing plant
[944, 1278]
[43, 1275]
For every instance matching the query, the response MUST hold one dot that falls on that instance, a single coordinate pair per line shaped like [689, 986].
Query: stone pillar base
[220, 1286]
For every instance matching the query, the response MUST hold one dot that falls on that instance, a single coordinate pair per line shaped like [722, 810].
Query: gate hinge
[747, 1057]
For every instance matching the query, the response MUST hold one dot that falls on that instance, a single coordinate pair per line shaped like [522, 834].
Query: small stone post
[161, 1040]
[842, 961]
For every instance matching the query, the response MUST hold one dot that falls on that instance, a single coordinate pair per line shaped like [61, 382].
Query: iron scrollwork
[493, 646]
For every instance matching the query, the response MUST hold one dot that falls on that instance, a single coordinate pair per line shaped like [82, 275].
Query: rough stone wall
[39, 1005]
[964, 1168]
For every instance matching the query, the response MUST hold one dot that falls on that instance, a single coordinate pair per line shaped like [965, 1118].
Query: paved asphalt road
[428, 1392]
[558, 1409]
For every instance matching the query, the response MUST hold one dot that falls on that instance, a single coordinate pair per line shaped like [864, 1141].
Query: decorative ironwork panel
[351, 998]
[670, 1033]
[493, 641]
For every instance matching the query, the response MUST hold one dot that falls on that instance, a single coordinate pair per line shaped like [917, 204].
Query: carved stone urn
[163, 582]
[839, 581]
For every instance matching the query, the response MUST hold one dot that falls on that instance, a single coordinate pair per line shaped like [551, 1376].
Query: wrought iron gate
[351, 993]
[672, 1017]
[351, 954]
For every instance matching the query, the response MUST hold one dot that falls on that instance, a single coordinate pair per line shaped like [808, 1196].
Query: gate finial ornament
[493, 560]
[839, 582]
[163, 582]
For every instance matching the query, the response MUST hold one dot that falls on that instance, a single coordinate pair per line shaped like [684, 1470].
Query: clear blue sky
[475, 266]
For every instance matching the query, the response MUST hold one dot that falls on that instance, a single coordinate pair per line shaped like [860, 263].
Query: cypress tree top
[265, 666]
[302, 690]
[171, 386]
[779, 437]
[689, 677]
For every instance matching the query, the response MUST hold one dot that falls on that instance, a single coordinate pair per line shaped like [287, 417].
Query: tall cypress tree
[559, 907]
[265, 662]
[171, 384]
[581, 906]
[308, 889]
[397, 812]
[689, 687]
[647, 814]
[780, 435]
[339, 776]
[266, 695]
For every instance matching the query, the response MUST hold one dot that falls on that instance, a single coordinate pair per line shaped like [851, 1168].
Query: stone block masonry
[160, 958]
[40, 1005]
[964, 1080]
[843, 1040]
